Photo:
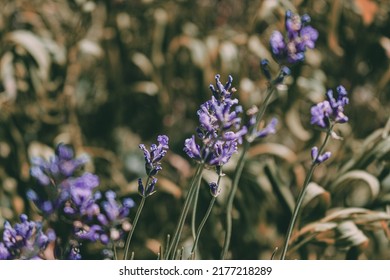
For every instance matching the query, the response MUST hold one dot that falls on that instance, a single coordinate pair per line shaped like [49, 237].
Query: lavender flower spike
[330, 111]
[300, 36]
[220, 130]
[154, 156]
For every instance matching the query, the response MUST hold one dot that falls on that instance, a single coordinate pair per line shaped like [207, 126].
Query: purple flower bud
[284, 71]
[155, 155]
[150, 188]
[319, 158]
[141, 189]
[314, 153]
[323, 157]
[41, 177]
[269, 129]
[64, 152]
[264, 65]
[214, 189]
[75, 254]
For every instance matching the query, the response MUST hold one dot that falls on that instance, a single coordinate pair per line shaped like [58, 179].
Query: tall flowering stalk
[289, 49]
[217, 138]
[153, 159]
[324, 115]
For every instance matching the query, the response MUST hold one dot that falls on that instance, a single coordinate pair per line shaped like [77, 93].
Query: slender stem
[115, 252]
[237, 175]
[203, 222]
[302, 195]
[205, 218]
[194, 208]
[137, 215]
[189, 199]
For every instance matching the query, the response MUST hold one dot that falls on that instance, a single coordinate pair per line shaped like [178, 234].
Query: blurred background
[104, 76]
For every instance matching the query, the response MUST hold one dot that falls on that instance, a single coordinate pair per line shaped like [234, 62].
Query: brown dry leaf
[348, 234]
[275, 149]
[18, 204]
[316, 197]
[367, 9]
[357, 188]
[153, 245]
[294, 123]
[168, 186]
[334, 18]
[7, 74]
[35, 47]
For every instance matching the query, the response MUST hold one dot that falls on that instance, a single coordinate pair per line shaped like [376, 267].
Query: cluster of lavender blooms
[326, 114]
[152, 164]
[330, 111]
[25, 240]
[62, 194]
[220, 130]
[300, 36]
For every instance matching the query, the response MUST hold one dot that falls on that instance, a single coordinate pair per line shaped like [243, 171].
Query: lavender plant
[152, 167]
[324, 115]
[290, 50]
[219, 133]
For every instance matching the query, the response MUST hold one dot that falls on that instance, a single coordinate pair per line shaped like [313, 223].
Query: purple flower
[24, 240]
[264, 65]
[4, 253]
[319, 158]
[110, 221]
[74, 253]
[192, 149]
[214, 189]
[299, 37]
[154, 156]
[331, 110]
[269, 129]
[220, 130]
[149, 190]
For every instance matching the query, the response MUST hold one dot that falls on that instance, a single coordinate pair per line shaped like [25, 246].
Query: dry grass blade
[356, 188]
[316, 201]
[35, 47]
[349, 235]
[8, 76]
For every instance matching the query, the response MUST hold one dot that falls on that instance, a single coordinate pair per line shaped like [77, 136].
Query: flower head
[154, 156]
[331, 110]
[109, 222]
[24, 240]
[300, 36]
[220, 130]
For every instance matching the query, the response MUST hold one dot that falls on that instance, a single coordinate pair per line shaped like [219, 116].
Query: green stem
[302, 195]
[205, 218]
[188, 201]
[137, 215]
[237, 175]
[193, 219]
